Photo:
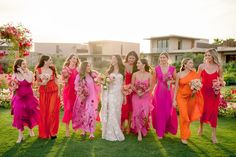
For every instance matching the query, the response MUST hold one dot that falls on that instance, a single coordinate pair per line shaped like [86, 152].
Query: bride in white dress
[112, 100]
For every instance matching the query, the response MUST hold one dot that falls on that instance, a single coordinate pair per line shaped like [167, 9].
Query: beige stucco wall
[51, 48]
[115, 47]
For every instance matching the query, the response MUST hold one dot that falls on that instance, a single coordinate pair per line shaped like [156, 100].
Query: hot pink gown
[69, 96]
[25, 107]
[164, 116]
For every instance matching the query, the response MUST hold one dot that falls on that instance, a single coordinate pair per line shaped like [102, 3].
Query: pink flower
[195, 85]
[13, 84]
[83, 91]
[168, 78]
[127, 90]
[140, 87]
[217, 84]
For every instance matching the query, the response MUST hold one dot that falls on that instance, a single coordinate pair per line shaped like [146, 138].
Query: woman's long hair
[133, 53]
[41, 64]
[120, 65]
[213, 52]
[67, 62]
[183, 63]
[146, 66]
[82, 70]
[17, 64]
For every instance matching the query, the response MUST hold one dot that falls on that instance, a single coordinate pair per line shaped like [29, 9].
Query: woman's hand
[174, 104]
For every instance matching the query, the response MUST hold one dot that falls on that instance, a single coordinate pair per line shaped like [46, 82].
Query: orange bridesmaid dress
[49, 103]
[190, 107]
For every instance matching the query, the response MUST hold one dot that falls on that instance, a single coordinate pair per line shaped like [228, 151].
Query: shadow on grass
[221, 147]
[172, 146]
[38, 147]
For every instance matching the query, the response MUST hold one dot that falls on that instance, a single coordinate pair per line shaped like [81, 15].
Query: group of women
[131, 94]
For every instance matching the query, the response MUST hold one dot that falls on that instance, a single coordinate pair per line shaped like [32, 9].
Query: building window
[179, 44]
[162, 45]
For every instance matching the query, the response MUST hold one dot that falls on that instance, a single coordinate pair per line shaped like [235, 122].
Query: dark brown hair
[120, 65]
[41, 64]
[17, 64]
[132, 53]
[146, 66]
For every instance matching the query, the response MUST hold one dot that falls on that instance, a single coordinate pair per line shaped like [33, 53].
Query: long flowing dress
[111, 109]
[164, 116]
[85, 112]
[25, 106]
[49, 103]
[69, 96]
[211, 101]
[142, 107]
[127, 108]
[190, 106]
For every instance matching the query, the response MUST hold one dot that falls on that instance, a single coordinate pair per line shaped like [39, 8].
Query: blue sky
[80, 21]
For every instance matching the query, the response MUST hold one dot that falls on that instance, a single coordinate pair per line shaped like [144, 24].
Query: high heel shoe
[19, 140]
[31, 134]
[184, 141]
[91, 137]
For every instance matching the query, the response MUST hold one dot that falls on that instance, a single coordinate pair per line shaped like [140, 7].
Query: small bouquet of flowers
[140, 87]
[217, 84]
[45, 78]
[65, 74]
[127, 90]
[168, 78]
[13, 84]
[195, 86]
[105, 80]
[83, 91]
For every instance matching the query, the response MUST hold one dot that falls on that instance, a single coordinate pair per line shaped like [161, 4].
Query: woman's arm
[176, 90]
[133, 81]
[28, 76]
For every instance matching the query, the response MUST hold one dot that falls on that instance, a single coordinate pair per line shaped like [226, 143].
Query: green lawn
[150, 146]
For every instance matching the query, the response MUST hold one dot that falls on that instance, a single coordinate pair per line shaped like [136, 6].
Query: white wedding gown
[112, 100]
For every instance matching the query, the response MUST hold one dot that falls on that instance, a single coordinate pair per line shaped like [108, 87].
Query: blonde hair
[165, 54]
[67, 62]
[183, 63]
[213, 52]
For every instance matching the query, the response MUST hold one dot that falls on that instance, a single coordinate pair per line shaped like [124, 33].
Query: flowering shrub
[217, 84]
[18, 36]
[229, 111]
[5, 98]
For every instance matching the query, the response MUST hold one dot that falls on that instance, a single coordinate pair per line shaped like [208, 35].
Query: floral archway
[15, 38]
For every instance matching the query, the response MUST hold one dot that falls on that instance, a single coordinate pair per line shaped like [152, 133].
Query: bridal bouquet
[105, 80]
[168, 78]
[83, 90]
[13, 84]
[195, 86]
[127, 90]
[217, 84]
[45, 78]
[140, 87]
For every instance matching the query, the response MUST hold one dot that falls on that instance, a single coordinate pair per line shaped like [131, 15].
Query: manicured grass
[150, 146]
